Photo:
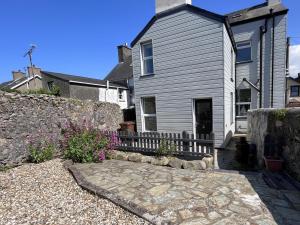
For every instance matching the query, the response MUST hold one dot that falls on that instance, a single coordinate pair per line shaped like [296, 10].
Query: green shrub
[5, 89]
[55, 90]
[166, 148]
[41, 154]
[280, 114]
[84, 144]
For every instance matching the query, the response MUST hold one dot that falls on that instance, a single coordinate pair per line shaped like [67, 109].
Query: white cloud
[294, 60]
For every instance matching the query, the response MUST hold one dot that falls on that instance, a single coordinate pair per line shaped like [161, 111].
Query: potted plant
[273, 154]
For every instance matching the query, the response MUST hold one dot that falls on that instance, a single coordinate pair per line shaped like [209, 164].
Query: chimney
[18, 75]
[32, 71]
[273, 2]
[163, 5]
[124, 53]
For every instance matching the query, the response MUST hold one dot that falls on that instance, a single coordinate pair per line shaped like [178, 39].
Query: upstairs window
[243, 104]
[147, 58]
[295, 91]
[232, 65]
[244, 52]
[121, 94]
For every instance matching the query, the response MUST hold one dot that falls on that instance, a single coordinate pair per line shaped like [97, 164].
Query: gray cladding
[188, 64]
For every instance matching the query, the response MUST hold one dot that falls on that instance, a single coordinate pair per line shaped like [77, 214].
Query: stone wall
[284, 126]
[24, 116]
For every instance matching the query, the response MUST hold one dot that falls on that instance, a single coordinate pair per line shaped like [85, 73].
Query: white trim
[26, 81]
[142, 59]
[98, 85]
[147, 115]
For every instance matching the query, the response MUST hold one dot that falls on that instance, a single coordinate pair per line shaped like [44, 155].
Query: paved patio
[163, 195]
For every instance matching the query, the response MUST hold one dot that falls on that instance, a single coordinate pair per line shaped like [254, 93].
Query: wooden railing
[178, 144]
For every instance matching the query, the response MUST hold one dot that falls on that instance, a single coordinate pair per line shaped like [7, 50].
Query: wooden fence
[178, 144]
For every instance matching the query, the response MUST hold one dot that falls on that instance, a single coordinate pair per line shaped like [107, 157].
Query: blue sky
[80, 36]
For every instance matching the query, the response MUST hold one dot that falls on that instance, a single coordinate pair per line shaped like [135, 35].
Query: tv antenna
[29, 54]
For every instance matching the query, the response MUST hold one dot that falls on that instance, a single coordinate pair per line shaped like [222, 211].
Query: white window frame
[231, 108]
[238, 104]
[146, 58]
[244, 42]
[143, 115]
[122, 99]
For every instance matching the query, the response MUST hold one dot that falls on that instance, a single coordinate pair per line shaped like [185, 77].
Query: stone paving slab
[164, 195]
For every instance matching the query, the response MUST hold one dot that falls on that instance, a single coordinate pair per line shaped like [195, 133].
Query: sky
[80, 37]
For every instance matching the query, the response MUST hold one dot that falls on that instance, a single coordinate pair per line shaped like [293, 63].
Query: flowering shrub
[41, 151]
[85, 144]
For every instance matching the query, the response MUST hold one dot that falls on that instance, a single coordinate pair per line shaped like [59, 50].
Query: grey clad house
[200, 72]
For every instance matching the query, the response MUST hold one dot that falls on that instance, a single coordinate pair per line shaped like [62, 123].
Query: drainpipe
[263, 30]
[288, 43]
[273, 57]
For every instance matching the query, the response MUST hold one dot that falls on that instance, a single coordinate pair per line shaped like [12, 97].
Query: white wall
[112, 96]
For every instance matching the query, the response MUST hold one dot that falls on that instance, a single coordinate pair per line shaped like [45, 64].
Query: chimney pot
[163, 5]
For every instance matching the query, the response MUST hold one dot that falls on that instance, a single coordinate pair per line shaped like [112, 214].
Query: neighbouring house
[122, 73]
[71, 86]
[293, 91]
[200, 72]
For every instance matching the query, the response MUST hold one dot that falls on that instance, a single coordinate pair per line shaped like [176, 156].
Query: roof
[122, 71]
[12, 83]
[80, 79]
[254, 13]
[208, 14]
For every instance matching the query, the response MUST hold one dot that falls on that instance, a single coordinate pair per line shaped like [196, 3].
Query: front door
[203, 116]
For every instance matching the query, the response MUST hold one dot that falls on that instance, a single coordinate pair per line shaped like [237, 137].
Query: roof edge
[192, 8]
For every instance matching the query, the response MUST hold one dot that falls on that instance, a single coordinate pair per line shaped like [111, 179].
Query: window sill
[245, 62]
[241, 117]
[147, 75]
[121, 100]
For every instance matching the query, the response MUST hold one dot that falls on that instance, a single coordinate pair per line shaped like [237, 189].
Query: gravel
[47, 194]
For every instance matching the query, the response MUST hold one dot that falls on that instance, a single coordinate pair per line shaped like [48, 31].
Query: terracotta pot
[274, 165]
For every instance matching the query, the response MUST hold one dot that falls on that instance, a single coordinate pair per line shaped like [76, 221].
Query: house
[293, 91]
[70, 86]
[200, 72]
[122, 73]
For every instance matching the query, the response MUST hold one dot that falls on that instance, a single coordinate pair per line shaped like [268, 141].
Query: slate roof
[67, 77]
[12, 83]
[255, 12]
[122, 71]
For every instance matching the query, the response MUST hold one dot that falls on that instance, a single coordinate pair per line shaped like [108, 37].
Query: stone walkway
[163, 195]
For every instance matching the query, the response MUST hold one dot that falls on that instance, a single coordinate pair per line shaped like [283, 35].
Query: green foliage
[41, 154]
[280, 114]
[5, 89]
[55, 90]
[166, 148]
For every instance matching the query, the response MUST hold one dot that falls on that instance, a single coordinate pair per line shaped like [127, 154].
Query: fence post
[185, 143]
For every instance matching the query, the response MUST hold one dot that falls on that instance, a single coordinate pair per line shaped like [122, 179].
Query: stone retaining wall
[283, 125]
[22, 116]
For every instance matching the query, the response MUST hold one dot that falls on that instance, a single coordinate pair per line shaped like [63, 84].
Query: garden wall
[284, 128]
[36, 116]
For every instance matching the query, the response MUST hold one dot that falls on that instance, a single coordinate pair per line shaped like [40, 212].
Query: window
[244, 52]
[149, 114]
[295, 91]
[121, 94]
[147, 58]
[50, 85]
[243, 104]
[231, 108]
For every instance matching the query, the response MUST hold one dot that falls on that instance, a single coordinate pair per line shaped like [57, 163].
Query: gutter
[288, 43]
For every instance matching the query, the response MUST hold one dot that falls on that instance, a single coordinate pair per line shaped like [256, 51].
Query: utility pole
[29, 54]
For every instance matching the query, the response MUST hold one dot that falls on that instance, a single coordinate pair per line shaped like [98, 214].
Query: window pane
[148, 66]
[244, 54]
[295, 91]
[244, 95]
[149, 106]
[243, 109]
[147, 50]
[150, 123]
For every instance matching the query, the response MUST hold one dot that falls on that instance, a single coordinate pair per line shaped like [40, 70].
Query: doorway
[203, 116]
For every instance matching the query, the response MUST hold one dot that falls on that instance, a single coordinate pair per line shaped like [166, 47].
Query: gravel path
[47, 194]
